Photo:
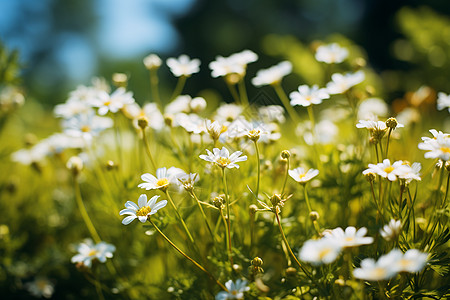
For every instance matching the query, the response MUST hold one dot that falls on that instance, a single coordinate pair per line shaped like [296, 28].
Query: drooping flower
[331, 53]
[183, 66]
[301, 176]
[322, 251]
[308, 95]
[235, 290]
[143, 210]
[223, 159]
[350, 237]
[88, 252]
[272, 75]
[164, 177]
[341, 83]
[392, 230]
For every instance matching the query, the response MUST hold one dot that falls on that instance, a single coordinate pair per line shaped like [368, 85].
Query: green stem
[285, 100]
[179, 87]
[387, 142]
[258, 167]
[243, 93]
[187, 257]
[191, 239]
[285, 176]
[233, 92]
[147, 149]
[288, 247]
[203, 214]
[315, 223]
[446, 192]
[227, 200]
[84, 213]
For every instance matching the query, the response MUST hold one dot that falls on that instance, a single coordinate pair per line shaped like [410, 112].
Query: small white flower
[36, 154]
[228, 113]
[301, 176]
[214, 129]
[331, 54]
[341, 83]
[235, 290]
[192, 123]
[413, 173]
[114, 102]
[350, 237]
[412, 261]
[272, 75]
[88, 252]
[223, 159]
[188, 180]
[183, 66]
[438, 146]
[376, 270]
[143, 210]
[272, 113]
[86, 126]
[317, 252]
[391, 172]
[40, 287]
[224, 66]
[244, 57]
[164, 177]
[72, 107]
[443, 101]
[372, 108]
[152, 61]
[308, 95]
[392, 230]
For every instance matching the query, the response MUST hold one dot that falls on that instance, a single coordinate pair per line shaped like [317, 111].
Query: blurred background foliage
[65, 43]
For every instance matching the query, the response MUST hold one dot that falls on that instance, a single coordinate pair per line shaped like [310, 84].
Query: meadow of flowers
[323, 192]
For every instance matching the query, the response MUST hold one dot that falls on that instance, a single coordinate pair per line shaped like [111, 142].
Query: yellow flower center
[349, 239]
[308, 98]
[301, 176]
[223, 161]
[143, 211]
[234, 293]
[445, 149]
[324, 252]
[106, 103]
[379, 272]
[85, 128]
[92, 252]
[162, 181]
[404, 262]
[389, 169]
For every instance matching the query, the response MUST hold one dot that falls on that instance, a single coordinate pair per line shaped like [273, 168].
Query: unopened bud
[370, 177]
[291, 271]
[253, 209]
[391, 123]
[142, 122]
[75, 164]
[285, 154]
[120, 79]
[218, 202]
[168, 120]
[257, 262]
[314, 216]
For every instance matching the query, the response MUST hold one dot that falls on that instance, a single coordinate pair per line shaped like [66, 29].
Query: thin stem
[285, 100]
[179, 87]
[387, 142]
[186, 256]
[154, 81]
[288, 247]
[258, 167]
[313, 123]
[147, 149]
[227, 200]
[285, 176]
[243, 93]
[179, 217]
[315, 223]
[402, 189]
[118, 139]
[84, 213]
[233, 91]
[98, 288]
[203, 214]
[446, 192]
[376, 151]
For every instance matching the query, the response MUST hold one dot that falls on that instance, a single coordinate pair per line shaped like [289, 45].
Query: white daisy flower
[350, 237]
[413, 172]
[372, 108]
[224, 66]
[302, 176]
[331, 53]
[86, 126]
[192, 123]
[308, 95]
[244, 57]
[223, 159]
[317, 252]
[183, 66]
[412, 261]
[437, 147]
[235, 290]
[341, 83]
[35, 154]
[227, 113]
[152, 61]
[88, 252]
[391, 172]
[214, 129]
[143, 210]
[164, 177]
[372, 125]
[443, 101]
[372, 270]
[40, 287]
[392, 230]
[114, 102]
[72, 107]
[272, 75]
[272, 113]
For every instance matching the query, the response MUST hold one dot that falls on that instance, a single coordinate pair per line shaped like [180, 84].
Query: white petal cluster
[308, 95]
[235, 290]
[234, 64]
[143, 210]
[185, 104]
[392, 172]
[164, 177]
[272, 113]
[152, 61]
[392, 230]
[112, 103]
[223, 159]
[302, 176]
[322, 251]
[272, 75]
[183, 66]
[88, 252]
[350, 237]
[443, 101]
[340, 83]
[438, 146]
[372, 109]
[331, 54]
[40, 287]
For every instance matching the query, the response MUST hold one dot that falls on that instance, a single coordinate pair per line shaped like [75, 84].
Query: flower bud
[120, 79]
[257, 262]
[391, 123]
[75, 164]
[143, 122]
[253, 209]
[314, 216]
[285, 154]
[152, 62]
[370, 177]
